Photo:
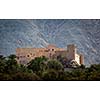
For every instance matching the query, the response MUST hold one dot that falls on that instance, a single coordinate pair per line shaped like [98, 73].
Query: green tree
[63, 60]
[2, 63]
[11, 64]
[81, 66]
[25, 69]
[54, 64]
[61, 75]
[50, 75]
[5, 77]
[25, 76]
[37, 64]
[93, 72]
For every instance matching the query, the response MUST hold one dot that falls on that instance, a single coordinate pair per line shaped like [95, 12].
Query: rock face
[39, 33]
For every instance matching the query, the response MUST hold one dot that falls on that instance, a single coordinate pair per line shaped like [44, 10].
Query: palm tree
[37, 64]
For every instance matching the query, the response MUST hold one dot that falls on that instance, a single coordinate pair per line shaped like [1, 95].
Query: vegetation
[42, 68]
[54, 64]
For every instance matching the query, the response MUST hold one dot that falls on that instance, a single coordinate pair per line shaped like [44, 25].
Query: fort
[24, 55]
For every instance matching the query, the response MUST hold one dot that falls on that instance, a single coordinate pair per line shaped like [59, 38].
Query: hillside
[39, 33]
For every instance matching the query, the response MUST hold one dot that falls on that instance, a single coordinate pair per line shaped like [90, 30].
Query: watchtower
[71, 51]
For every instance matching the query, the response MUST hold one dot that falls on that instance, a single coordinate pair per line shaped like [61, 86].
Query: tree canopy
[42, 68]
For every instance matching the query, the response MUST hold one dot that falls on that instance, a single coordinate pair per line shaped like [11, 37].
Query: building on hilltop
[24, 55]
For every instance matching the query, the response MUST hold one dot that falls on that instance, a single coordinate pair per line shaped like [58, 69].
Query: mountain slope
[39, 33]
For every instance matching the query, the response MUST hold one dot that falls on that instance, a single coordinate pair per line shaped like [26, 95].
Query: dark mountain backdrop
[39, 33]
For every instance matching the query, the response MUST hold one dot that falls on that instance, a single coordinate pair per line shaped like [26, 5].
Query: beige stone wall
[71, 51]
[81, 59]
[24, 55]
[62, 53]
[77, 58]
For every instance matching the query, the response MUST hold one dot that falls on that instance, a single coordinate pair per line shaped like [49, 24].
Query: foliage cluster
[42, 68]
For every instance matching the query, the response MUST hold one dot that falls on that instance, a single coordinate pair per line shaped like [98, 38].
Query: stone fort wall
[24, 55]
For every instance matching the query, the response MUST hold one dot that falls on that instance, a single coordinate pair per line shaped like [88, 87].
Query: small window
[17, 57]
[52, 49]
[20, 56]
[28, 56]
[33, 54]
